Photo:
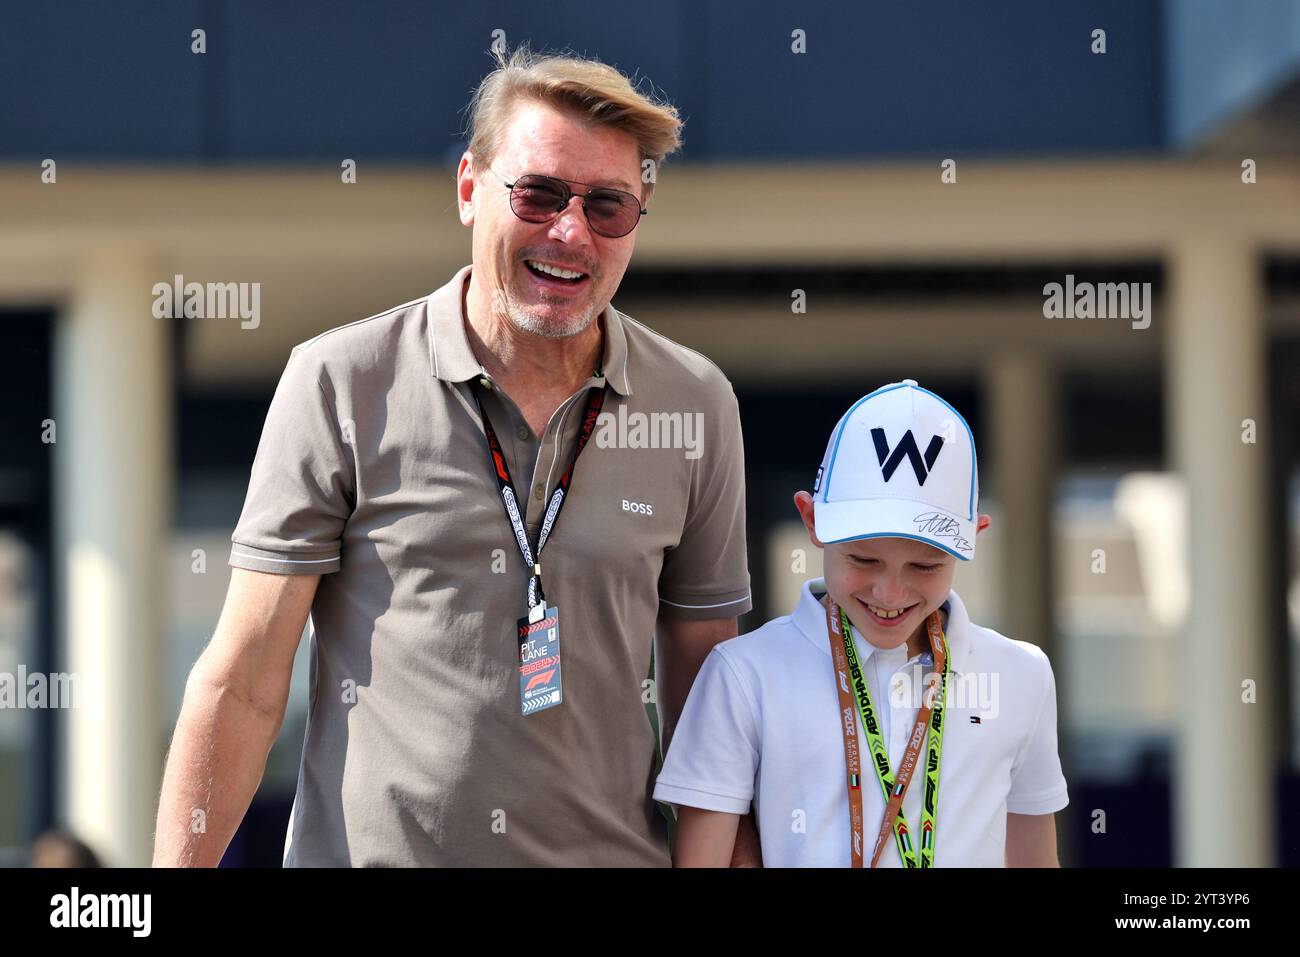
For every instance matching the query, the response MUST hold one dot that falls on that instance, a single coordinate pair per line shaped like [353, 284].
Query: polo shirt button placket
[538, 491]
[897, 688]
[901, 716]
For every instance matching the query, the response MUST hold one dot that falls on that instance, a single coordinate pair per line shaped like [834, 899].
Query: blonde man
[485, 556]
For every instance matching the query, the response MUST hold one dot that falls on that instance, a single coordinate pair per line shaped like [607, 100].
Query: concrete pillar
[112, 513]
[1025, 421]
[1223, 775]
[1025, 425]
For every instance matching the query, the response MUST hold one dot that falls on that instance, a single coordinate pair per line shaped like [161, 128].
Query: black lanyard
[511, 501]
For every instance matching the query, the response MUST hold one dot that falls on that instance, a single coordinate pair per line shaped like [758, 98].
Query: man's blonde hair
[588, 89]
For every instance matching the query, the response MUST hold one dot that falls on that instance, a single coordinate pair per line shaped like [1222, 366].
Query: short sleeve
[706, 575]
[1037, 784]
[301, 490]
[713, 756]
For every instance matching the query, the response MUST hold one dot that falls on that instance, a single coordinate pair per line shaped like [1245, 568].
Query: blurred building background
[1143, 481]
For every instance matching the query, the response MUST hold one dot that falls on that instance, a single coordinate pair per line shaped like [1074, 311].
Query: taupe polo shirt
[372, 471]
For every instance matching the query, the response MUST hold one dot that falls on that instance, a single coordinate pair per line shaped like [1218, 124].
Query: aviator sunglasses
[612, 213]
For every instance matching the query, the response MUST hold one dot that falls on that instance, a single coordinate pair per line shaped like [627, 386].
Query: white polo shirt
[761, 724]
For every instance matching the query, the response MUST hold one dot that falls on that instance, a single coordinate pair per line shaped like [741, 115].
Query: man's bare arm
[683, 645]
[235, 700]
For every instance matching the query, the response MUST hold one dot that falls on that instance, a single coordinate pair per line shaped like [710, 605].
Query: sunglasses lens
[536, 198]
[612, 213]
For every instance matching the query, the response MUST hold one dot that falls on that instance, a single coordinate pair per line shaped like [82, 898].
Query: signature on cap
[938, 525]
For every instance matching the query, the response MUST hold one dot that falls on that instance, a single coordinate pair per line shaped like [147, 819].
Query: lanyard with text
[852, 686]
[538, 631]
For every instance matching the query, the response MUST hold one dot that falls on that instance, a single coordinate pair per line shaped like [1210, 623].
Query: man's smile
[554, 277]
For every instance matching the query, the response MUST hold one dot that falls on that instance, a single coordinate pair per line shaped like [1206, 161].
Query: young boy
[827, 719]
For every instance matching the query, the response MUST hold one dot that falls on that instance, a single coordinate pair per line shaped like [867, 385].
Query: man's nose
[570, 225]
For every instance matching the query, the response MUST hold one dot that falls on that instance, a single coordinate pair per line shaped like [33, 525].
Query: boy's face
[888, 586]
[873, 579]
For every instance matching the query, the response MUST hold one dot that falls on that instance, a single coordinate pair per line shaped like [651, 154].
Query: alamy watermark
[131, 912]
[651, 430]
[974, 690]
[209, 300]
[21, 690]
[1105, 300]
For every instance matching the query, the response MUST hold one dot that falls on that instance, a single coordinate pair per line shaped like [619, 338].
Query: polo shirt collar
[452, 359]
[809, 617]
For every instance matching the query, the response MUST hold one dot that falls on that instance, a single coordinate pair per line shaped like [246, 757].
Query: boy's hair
[588, 89]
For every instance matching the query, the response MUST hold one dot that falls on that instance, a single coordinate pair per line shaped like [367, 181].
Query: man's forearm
[217, 759]
[675, 675]
[683, 645]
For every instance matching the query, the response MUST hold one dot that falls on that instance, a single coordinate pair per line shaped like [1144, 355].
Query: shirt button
[522, 432]
[538, 491]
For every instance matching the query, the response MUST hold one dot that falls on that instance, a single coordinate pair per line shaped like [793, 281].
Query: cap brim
[892, 518]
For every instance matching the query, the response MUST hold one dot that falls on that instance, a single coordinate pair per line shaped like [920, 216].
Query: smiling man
[484, 583]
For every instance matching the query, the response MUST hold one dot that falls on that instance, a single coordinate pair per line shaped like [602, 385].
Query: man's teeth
[555, 270]
[887, 614]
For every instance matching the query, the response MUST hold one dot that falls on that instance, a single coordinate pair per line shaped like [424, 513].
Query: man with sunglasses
[487, 552]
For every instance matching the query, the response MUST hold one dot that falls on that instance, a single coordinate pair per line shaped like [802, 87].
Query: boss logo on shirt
[640, 508]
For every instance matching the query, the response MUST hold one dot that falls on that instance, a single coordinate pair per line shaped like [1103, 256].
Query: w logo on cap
[906, 448]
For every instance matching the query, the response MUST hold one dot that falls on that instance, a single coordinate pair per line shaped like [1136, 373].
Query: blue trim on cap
[830, 468]
[915, 538]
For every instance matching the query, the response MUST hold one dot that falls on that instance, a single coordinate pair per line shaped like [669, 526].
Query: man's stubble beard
[521, 318]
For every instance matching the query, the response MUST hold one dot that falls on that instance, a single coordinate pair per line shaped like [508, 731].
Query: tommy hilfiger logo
[906, 448]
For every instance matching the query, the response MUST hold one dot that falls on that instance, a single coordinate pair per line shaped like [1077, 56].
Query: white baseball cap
[900, 464]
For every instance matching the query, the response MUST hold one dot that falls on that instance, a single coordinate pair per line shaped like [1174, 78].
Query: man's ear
[803, 501]
[466, 174]
[984, 522]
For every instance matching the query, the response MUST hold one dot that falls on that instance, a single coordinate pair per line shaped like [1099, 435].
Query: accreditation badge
[539, 661]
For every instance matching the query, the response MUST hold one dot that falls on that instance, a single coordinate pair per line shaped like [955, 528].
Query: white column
[112, 515]
[1025, 421]
[1224, 815]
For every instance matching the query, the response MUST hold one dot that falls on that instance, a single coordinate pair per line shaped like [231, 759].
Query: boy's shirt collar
[809, 616]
